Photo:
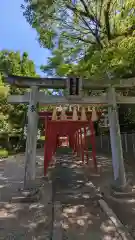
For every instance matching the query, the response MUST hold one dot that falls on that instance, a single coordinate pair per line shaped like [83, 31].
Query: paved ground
[28, 221]
[81, 216]
[123, 207]
[71, 189]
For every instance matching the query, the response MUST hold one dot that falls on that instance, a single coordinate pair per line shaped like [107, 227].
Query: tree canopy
[85, 30]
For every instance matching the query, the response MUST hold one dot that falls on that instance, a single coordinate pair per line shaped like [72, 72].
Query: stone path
[70, 191]
[81, 215]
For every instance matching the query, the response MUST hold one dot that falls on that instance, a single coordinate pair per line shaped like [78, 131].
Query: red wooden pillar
[92, 136]
[71, 140]
[81, 145]
[75, 142]
[78, 143]
[57, 141]
[86, 145]
[67, 141]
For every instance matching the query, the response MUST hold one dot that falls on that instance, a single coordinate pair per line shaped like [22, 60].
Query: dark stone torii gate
[73, 95]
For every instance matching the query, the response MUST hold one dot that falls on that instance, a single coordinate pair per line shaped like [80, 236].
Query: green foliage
[56, 65]
[76, 25]
[117, 59]
[42, 138]
[99, 36]
[3, 153]
[3, 106]
[12, 117]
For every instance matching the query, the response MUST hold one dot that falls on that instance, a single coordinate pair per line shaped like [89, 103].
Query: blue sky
[17, 35]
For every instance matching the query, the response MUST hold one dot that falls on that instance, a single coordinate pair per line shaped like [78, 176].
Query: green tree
[98, 35]
[12, 117]
[3, 117]
[75, 26]
[56, 66]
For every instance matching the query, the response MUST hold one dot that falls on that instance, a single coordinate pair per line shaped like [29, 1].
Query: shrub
[3, 153]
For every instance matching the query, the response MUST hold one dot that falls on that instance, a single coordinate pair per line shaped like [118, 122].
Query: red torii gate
[78, 141]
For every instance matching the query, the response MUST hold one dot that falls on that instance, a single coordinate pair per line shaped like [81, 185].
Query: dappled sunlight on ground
[78, 221]
[22, 220]
[124, 206]
[81, 215]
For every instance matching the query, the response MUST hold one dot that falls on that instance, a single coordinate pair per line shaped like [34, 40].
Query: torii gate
[74, 95]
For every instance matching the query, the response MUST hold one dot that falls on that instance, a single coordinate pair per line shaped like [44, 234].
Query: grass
[42, 138]
[3, 153]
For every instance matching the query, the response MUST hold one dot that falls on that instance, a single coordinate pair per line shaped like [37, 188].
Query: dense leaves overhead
[97, 34]
[80, 23]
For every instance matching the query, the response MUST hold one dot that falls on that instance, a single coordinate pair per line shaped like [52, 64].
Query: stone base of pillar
[29, 196]
[31, 193]
[120, 190]
[123, 195]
